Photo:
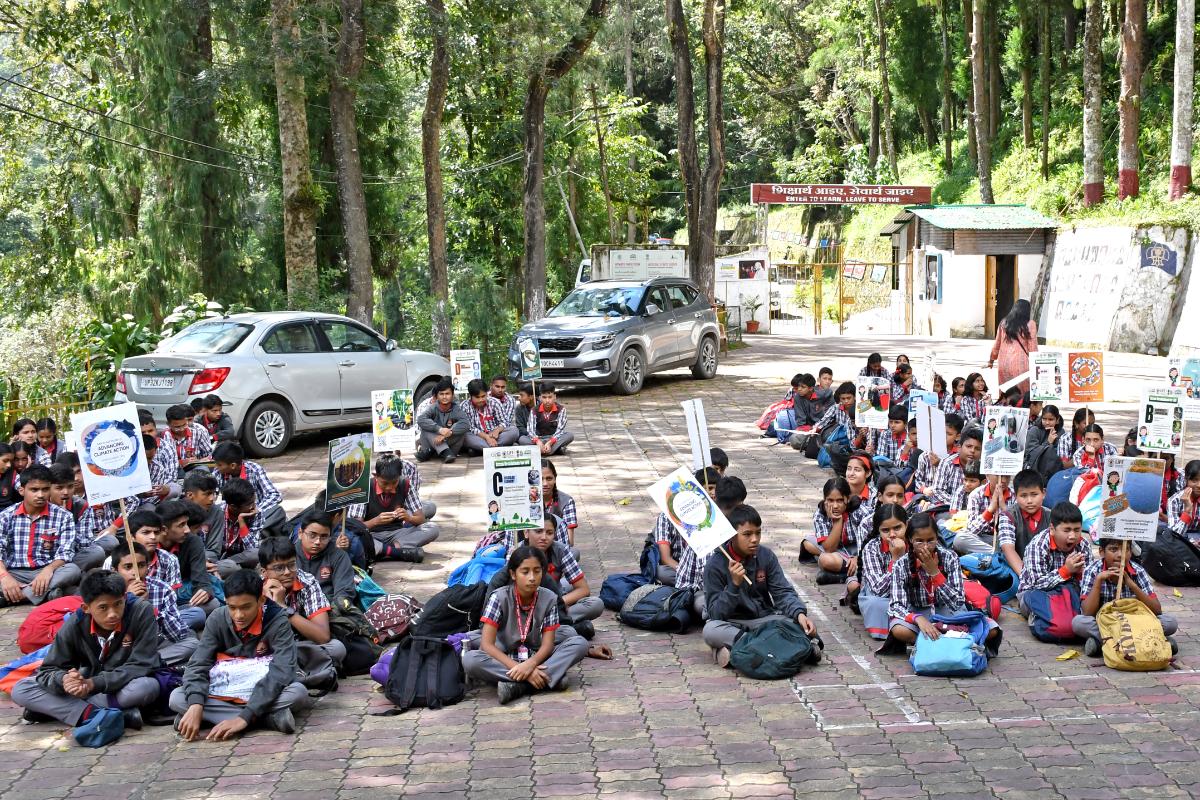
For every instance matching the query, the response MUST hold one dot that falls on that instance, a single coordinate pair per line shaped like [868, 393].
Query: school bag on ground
[1042, 456]
[1171, 559]
[768, 415]
[774, 650]
[455, 609]
[991, 570]
[1052, 611]
[658, 608]
[424, 673]
[366, 591]
[482, 566]
[616, 589]
[980, 599]
[43, 622]
[21, 668]
[1058, 488]
[391, 616]
[1131, 637]
[957, 653]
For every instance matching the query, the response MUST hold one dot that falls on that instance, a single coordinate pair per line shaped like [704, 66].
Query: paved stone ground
[660, 719]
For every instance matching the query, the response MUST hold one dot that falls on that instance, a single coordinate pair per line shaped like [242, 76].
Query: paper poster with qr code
[1184, 373]
[1004, 432]
[1130, 494]
[1160, 423]
[513, 487]
[873, 399]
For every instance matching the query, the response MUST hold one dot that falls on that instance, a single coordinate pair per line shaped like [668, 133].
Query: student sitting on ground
[1181, 508]
[903, 384]
[890, 447]
[983, 507]
[215, 421]
[230, 462]
[195, 594]
[1174, 482]
[948, 480]
[200, 487]
[444, 425]
[836, 523]
[1095, 450]
[299, 594]
[874, 367]
[62, 482]
[547, 423]
[884, 545]
[37, 545]
[189, 443]
[484, 415]
[666, 537]
[972, 479]
[105, 652]
[1056, 555]
[563, 567]
[976, 400]
[939, 388]
[518, 648]
[48, 444]
[526, 403]
[242, 529]
[353, 538]
[249, 626]
[928, 463]
[954, 402]
[1069, 445]
[840, 417]
[176, 642]
[9, 478]
[748, 588]
[927, 580]
[1098, 587]
[729, 494]
[1023, 520]
[825, 379]
[330, 565]
[394, 514]
[163, 477]
[559, 503]
[508, 403]
[22, 457]
[719, 459]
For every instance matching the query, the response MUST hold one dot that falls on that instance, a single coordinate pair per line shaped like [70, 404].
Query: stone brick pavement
[660, 719]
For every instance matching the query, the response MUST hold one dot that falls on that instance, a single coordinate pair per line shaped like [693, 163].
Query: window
[658, 296]
[291, 339]
[349, 338]
[206, 338]
[599, 302]
[933, 279]
[682, 296]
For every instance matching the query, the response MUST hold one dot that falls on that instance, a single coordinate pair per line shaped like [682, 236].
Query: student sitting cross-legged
[230, 462]
[394, 513]
[1024, 519]
[748, 588]
[837, 522]
[563, 567]
[557, 502]
[443, 423]
[196, 594]
[486, 416]
[1098, 587]
[176, 642]
[37, 544]
[248, 626]
[106, 652]
[729, 494]
[242, 528]
[666, 537]
[299, 594]
[884, 545]
[317, 555]
[983, 507]
[1057, 554]
[547, 423]
[88, 553]
[519, 649]
[928, 463]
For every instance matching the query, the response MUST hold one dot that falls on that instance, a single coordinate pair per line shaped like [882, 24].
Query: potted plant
[752, 304]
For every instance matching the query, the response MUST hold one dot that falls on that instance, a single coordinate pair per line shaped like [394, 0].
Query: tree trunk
[612, 220]
[927, 125]
[947, 106]
[1181, 130]
[1044, 41]
[630, 212]
[995, 83]
[689, 155]
[1070, 25]
[1026, 56]
[980, 78]
[969, 30]
[1093, 129]
[1131, 100]
[533, 205]
[713, 26]
[873, 147]
[299, 193]
[352, 198]
[435, 202]
[206, 131]
[889, 139]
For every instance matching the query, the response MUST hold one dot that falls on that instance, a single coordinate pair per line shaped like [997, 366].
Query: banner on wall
[1160, 423]
[1131, 494]
[1086, 280]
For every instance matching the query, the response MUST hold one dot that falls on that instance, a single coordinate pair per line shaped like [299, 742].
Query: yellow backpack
[1132, 637]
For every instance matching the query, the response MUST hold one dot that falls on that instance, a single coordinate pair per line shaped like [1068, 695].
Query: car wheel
[423, 391]
[705, 368]
[267, 430]
[631, 373]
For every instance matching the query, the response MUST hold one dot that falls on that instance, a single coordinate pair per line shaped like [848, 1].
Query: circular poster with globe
[693, 513]
[111, 453]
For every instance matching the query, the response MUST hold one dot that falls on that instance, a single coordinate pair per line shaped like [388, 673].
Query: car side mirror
[651, 309]
[389, 345]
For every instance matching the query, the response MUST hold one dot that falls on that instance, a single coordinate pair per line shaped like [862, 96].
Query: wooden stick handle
[128, 532]
[1121, 577]
[723, 550]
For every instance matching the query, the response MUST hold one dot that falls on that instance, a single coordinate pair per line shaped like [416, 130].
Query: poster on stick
[931, 429]
[348, 476]
[873, 398]
[1184, 373]
[392, 421]
[531, 358]
[111, 454]
[693, 412]
[465, 366]
[513, 487]
[1004, 432]
[1160, 423]
[693, 513]
[1131, 493]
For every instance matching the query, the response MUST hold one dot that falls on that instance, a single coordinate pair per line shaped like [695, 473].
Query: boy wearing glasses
[318, 654]
[329, 565]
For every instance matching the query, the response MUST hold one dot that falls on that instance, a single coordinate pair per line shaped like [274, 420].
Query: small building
[969, 264]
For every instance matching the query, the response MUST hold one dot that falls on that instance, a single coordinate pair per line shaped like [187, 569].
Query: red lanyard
[524, 626]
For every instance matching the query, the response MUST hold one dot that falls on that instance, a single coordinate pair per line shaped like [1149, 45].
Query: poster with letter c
[693, 513]
[513, 490]
[1160, 420]
[465, 366]
[111, 454]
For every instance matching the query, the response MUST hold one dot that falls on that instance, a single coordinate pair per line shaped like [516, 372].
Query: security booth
[969, 263]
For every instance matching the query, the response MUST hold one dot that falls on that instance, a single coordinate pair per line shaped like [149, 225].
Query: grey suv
[618, 332]
[280, 373]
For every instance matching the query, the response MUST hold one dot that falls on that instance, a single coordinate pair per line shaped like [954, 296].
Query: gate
[806, 297]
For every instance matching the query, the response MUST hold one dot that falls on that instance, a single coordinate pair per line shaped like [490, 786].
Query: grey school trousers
[294, 695]
[559, 443]
[247, 559]
[507, 437]
[68, 708]
[719, 633]
[175, 653]
[968, 543]
[63, 577]
[1086, 627]
[451, 444]
[93, 555]
[567, 653]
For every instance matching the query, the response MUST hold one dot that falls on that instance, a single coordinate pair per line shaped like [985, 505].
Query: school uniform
[854, 529]
[1044, 565]
[875, 596]
[690, 575]
[46, 457]
[922, 479]
[1179, 520]
[877, 372]
[561, 536]
[563, 507]
[163, 473]
[947, 480]
[318, 662]
[194, 577]
[889, 448]
[916, 593]
[1068, 445]
[10, 481]
[239, 547]
[266, 496]
[957, 404]
[176, 642]
[220, 431]
[433, 417]
[485, 420]
[835, 416]
[332, 569]
[976, 537]
[565, 569]
[361, 548]
[269, 635]
[519, 633]
[195, 443]
[764, 594]
[92, 544]
[1173, 483]
[502, 579]
[508, 407]
[1019, 529]
[406, 496]
[27, 544]
[1085, 626]
[1082, 459]
[120, 664]
[544, 424]
[520, 421]
[666, 533]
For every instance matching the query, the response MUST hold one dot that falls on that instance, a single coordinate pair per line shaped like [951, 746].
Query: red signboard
[835, 193]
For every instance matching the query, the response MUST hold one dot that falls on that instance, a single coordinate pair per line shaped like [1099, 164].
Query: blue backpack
[785, 425]
[953, 656]
[837, 437]
[658, 608]
[616, 589]
[482, 566]
[1058, 488]
[992, 571]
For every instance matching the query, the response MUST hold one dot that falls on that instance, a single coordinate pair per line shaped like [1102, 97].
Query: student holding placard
[932, 455]
[1098, 587]
[394, 513]
[1095, 450]
[1070, 444]
[37, 545]
[729, 494]
[1182, 516]
[948, 479]
[983, 506]
[1160, 426]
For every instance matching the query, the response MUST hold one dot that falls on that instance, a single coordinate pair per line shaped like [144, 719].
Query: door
[364, 366]
[989, 301]
[1006, 286]
[298, 368]
[688, 321]
[659, 327]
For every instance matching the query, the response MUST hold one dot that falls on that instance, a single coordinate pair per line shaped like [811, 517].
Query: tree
[431, 158]
[885, 91]
[1128, 151]
[300, 194]
[1026, 59]
[1093, 130]
[948, 161]
[980, 78]
[1044, 43]
[1181, 124]
[533, 206]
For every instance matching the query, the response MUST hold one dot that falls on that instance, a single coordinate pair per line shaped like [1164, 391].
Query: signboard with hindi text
[112, 457]
[836, 193]
[693, 513]
[1131, 491]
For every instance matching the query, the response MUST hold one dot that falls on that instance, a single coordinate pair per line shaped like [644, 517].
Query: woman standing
[1016, 338]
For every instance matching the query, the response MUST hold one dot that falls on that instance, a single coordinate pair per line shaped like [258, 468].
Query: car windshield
[206, 338]
[600, 301]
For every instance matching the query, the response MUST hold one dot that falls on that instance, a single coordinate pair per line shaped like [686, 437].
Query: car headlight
[604, 341]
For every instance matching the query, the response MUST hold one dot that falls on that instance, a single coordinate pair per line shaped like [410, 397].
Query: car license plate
[153, 382]
[553, 363]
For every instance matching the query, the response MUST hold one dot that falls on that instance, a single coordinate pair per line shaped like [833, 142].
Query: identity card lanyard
[523, 626]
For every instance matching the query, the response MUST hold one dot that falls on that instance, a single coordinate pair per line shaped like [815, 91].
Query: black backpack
[1041, 455]
[1172, 559]
[424, 673]
[455, 609]
[658, 608]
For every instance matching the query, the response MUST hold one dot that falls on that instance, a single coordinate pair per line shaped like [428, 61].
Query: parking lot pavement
[660, 719]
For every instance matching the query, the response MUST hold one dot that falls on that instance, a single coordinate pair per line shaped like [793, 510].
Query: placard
[1073, 377]
[692, 512]
[392, 421]
[931, 429]
[693, 412]
[1160, 423]
[1185, 373]
[348, 475]
[873, 399]
[928, 369]
[465, 366]
[1085, 377]
[531, 358]
[1004, 432]
[513, 487]
[920, 396]
[1131, 494]
[111, 454]
[1048, 380]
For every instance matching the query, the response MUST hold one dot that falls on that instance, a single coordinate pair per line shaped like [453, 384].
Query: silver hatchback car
[618, 332]
[279, 372]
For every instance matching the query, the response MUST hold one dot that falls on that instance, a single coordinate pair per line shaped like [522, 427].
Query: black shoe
[424, 455]
[562, 451]
[281, 721]
[133, 719]
[507, 691]
[584, 628]
[1091, 647]
[325, 687]
[1174, 645]
[36, 716]
[414, 555]
[824, 577]
[449, 458]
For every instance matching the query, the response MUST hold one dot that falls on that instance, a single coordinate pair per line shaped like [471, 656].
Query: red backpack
[43, 622]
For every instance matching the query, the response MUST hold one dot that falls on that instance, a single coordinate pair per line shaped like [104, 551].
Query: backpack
[39, 628]
[1131, 637]
[1041, 455]
[616, 588]
[1058, 488]
[482, 566]
[980, 599]
[991, 570]
[391, 616]
[776, 649]
[1171, 559]
[1086, 493]
[835, 450]
[658, 608]
[771, 411]
[1051, 612]
[366, 591]
[954, 654]
[424, 673]
[455, 609]
[785, 425]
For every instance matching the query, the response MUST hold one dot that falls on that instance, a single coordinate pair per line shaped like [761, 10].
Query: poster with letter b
[111, 456]
[1160, 422]
[873, 399]
[513, 490]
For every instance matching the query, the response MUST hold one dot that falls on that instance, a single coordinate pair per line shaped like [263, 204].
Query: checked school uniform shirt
[665, 533]
[875, 568]
[165, 567]
[541, 417]
[46, 457]
[486, 419]
[1178, 519]
[306, 597]
[564, 508]
[265, 493]
[924, 590]
[948, 481]
[923, 476]
[170, 625]
[33, 542]
[508, 407]
[1008, 528]
[412, 500]
[1067, 445]
[241, 536]
[95, 519]
[889, 447]
[690, 572]
[196, 443]
[1044, 564]
[980, 520]
[1084, 460]
[1108, 589]
[561, 535]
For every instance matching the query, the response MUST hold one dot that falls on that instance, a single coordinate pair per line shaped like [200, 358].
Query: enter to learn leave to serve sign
[834, 193]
